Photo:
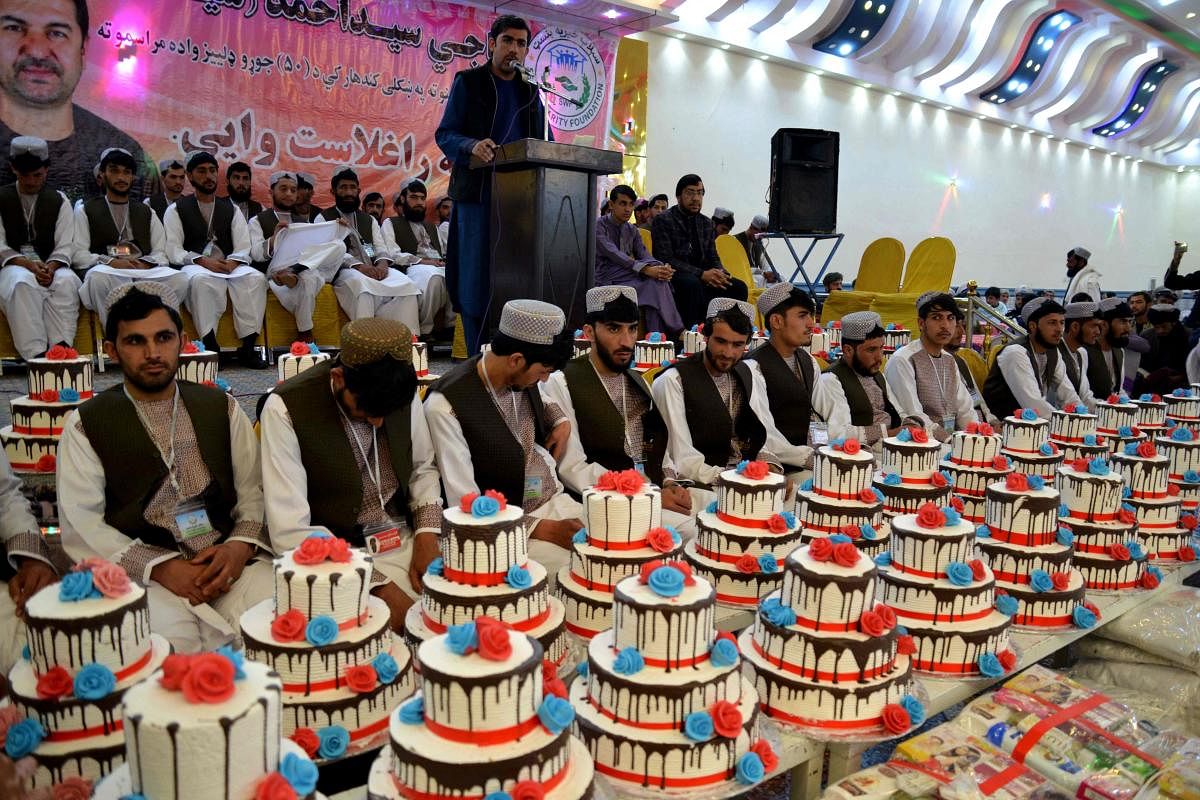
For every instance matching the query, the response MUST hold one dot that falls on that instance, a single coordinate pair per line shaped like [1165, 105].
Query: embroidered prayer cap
[719, 304]
[199, 157]
[306, 180]
[117, 155]
[276, 177]
[532, 321]
[778, 293]
[760, 222]
[414, 185]
[29, 145]
[600, 296]
[937, 301]
[1165, 295]
[168, 164]
[160, 290]
[1082, 310]
[343, 174]
[722, 215]
[1039, 307]
[858, 325]
[1081, 252]
[1114, 308]
[371, 339]
[1162, 312]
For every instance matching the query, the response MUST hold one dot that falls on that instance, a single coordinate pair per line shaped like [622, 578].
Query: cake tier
[596, 568]
[1145, 477]
[869, 546]
[743, 498]
[1183, 456]
[1183, 407]
[587, 611]
[927, 551]
[895, 339]
[840, 475]
[1158, 515]
[1152, 414]
[1071, 428]
[970, 485]
[825, 595]
[616, 521]
[550, 633]
[479, 549]
[199, 367]
[819, 343]
[728, 542]
[670, 632]
[178, 749]
[842, 707]
[1097, 537]
[735, 584]
[27, 453]
[955, 649]
[56, 375]
[1089, 497]
[112, 632]
[663, 758]
[1024, 517]
[1111, 417]
[648, 355]
[445, 603]
[1025, 436]
[907, 498]
[829, 515]
[973, 449]
[1104, 572]
[1189, 494]
[1165, 545]
[1100, 449]
[1041, 465]
[1048, 609]
[824, 656]
[90, 760]
[693, 341]
[290, 366]
[913, 461]
[331, 589]
[834, 332]
[915, 598]
[34, 418]
[1013, 563]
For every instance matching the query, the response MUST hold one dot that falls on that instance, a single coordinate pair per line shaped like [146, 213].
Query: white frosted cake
[743, 536]
[825, 653]
[1027, 444]
[1152, 413]
[974, 461]
[330, 642]
[622, 518]
[1183, 408]
[819, 344]
[58, 384]
[301, 356]
[1117, 422]
[895, 338]
[908, 473]
[89, 641]
[663, 703]
[693, 341]
[1073, 430]
[1108, 549]
[656, 350]
[1154, 501]
[582, 344]
[839, 498]
[1181, 445]
[485, 571]
[197, 364]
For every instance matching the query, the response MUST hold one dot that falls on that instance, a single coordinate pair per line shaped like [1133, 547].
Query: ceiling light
[896, 94]
[681, 36]
[1138, 161]
[865, 33]
[1049, 135]
[981, 116]
[1066, 141]
[612, 13]
[922, 101]
[1014, 125]
[866, 85]
[1091, 147]
[845, 48]
[1190, 15]
[724, 47]
[818, 72]
[946, 108]
[764, 57]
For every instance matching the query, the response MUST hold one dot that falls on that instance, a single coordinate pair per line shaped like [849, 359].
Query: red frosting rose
[851, 446]
[870, 624]
[1147, 449]
[886, 614]
[274, 787]
[46, 463]
[978, 570]
[727, 719]
[986, 430]
[1149, 580]
[300, 349]
[361, 678]
[930, 516]
[189, 348]
[938, 480]
[906, 645]
[339, 551]
[499, 497]
[210, 384]
[54, 683]
[1188, 521]
[1126, 516]
[845, 554]
[972, 427]
[1016, 482]
[1008, 659]
[895, 718]
[686, 569]
[957, 503]
[762, 748]
[1112, 398]
[1000, 462]
[647, 568]
[1090, 606]
[465, 502]
[555, 687]
[867, 496]
[1173, 489]
[1186, 553]
[607, 482]
[313, 550]
[660, 539]
[175, 668]
[72, 788]
[288, 626]
[1118, 551]
[727, 635]
[747, 564]
[821, 550]
[209, 679]
[494, 642]
[528, 790]
[919, 435]
[1136, 431]
[549, 670]
[756, 470]
[630, 482]
[777, 524]
[1156, 398]
[57, 353]
[48, 396]
[307, 739]
[1061, 580]
[850, 530]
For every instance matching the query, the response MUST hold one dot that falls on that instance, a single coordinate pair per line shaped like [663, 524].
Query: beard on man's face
[346, 204]
[414, 214]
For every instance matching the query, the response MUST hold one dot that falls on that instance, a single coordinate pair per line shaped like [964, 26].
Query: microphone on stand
[525, 71]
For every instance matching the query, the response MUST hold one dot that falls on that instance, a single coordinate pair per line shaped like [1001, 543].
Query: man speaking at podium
[489, 106]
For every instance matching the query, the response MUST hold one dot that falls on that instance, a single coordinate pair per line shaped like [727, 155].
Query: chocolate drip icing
[691, 622]
[868, 653]
[804, 589]
[503, 543]
[903, 591]
[83, 635]
[467, 777]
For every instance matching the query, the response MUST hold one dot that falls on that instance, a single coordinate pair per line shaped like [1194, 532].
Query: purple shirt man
[622, 259]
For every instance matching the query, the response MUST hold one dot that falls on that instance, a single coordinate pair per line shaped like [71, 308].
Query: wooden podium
[543, 223]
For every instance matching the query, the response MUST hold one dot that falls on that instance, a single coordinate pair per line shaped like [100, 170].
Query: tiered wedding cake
[974, 461]
[198, 364]
[1181, 445]
[1152, 414]
[743, 535]
[491, 720]
[58, 383]
[1030, 558]
[1155, 502]
[1027, 444]
[330, 642]
[302, 356]
[946, 596]
[693, 341]
[895, 337]
[485, 571]
[663, 703]
[825, 653]
[89, 641]
[1183, 408]
[1108, 552]
[839, 498]
[1073, 429]
[908, 474]
[1117, 422]
[622, 517]
[656, 350]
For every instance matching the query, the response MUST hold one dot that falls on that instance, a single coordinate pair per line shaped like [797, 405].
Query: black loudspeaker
[804, 181]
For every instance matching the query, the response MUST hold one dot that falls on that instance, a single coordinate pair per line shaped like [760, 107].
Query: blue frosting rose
[1064, 510]
[1007, 605]
[314, 349]
[807, 485]
[199, 345]
[462, 638]
[1135, 550]
[904, 435]
[1146, 397]
[1098, 466]
[655, 337]
[1046, 449]
[666, 582]
[1089, 440]
[1128, 507]
[413, 712]
[580, 537]
[1179, 434]
[1127, 492]
[25, 654]
[712, 506]
[750, 769]
[222, 384]
[959, 573]
[320, 631]
[790, 519]
[666, 362]
[436, 567]
[983, 532]
[300, 773]
[386, 668]
[741, 466]
[915, 709]
[134, 796]
[884, 559]
[952, 516]
[484, 506]
[237, 658]
[94, 682]
[990, 666]
[1040, 581]
[68, 395]
[780, 615]
[1191, 476]
[334, 739]
[840, 538]
[878, 494]
[698, 726]
[518, 577]
[768, 564]
[1029, 415]
[1131, 448]
[23, 738]
[581, 669]
[629, 662]
[1065, 537]
[837, 444]
[77, 586]
[892, 479]
[556, 714]
[1036, 482]
[901, 630]
[868, 531]
[1156, 572]
[1083, 617]
[498, 796]
[723, 653]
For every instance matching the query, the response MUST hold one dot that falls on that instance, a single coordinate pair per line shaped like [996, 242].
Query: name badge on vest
[369, 250]
[818, 434]
[124, 250]
[191, 518]
[948, 424]
[533, 487]
[28, 252]
[213, 251]
[382, 537]
[640, 466]
[976, 400]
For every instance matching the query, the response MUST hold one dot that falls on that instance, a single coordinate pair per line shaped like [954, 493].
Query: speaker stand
[801, 261]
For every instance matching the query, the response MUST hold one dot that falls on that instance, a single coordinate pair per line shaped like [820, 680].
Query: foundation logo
[568, 63]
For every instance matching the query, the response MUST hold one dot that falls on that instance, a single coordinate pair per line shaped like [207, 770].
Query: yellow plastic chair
[85, 342]
[280, 330]
[733, 258]
[900, 309]
[975, 365]
[839, 304]
[649, 375]
[930, 266]
[646, 239]
[881, 267]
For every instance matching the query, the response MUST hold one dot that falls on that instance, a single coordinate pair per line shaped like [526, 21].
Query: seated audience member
[416, 245]
[1082, 331]
[368, 285]
[38, 291]
[832, 282]
[658, 204]
[171, 180]
[305, 210]
[295, 285]
[1028, 372]
[683, 238]
[964, 372]
[641, 212]
[346, 449]
[716, 407]
[492, 430]
[444, 207]
[373, 204]
[1139, 303]
[622, 259]
[1164, 368]
[1023, 296]
[992, 297]
[118, 241]
[239, 182]
[162, 477]
[764, 273]
[723, 222]
[856, 382]
[209, 240]
[1106, 359]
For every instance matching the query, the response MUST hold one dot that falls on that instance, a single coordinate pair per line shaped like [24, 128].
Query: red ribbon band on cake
[916, 481]
[1181, 418]
[476, 578]
[675, 663]
[669, 783]
[595, 586]
[811, 673]
[1057, 437]
[920, 573]
[607, 545]
[649, 726]
[962, 462]
[1042, 622]
[824, 528]
[29, 430]
[1084, 515]
[726, 558]
[1179, 479]
[1148, 495]
[1082, 547]
[409, 793]
[742, 522]
[524, 626]
[736, 600]
[842, 724]
[1157, 526]
[578, 631]
[499, 736]
[835, 495]
[1074, 713]
[370, 730]
[98, 730]
[970, 492]
[812, 624]
[1107, 586]
[974, 615]
[1034, 452]
[1027, 539]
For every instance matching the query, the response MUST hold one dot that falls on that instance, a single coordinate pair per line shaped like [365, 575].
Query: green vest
[862, 413]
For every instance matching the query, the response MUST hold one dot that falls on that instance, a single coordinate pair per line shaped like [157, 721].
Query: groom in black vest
[1028, 372]
[856, 382]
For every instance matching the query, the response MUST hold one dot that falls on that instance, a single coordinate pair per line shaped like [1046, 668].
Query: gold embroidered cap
[371, 339]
